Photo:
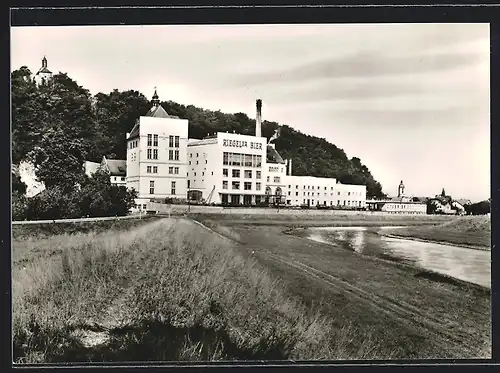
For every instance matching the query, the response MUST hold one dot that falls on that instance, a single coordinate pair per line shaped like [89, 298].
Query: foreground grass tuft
[168, 290]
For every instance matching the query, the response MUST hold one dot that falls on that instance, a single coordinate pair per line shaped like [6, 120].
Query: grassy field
[164, 290]
[412, 314]
[467, 231]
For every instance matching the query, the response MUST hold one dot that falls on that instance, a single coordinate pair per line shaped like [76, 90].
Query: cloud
[363, 64]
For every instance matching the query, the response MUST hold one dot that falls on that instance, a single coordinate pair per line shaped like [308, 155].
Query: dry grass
[466, 231]
[468, 224]
[168, 290]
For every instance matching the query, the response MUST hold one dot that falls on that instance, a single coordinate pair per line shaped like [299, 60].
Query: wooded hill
[59, 125]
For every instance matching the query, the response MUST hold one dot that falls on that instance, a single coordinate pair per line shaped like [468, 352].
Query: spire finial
[155, 100]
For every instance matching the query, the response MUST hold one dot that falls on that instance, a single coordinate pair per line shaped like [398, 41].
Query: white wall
[209, 154]
[137, 175]
[326, 191]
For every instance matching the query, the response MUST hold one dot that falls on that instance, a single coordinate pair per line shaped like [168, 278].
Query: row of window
[198, 162]
[397, 205]
[173, 155]
[173, 141]
[152, 187]
[312, 194]
[339, 203]
[237, 173]
[331, 188]
[235, 185]
[238, 159]
[154, 170]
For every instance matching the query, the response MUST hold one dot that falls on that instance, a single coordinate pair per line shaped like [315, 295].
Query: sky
[412, 101]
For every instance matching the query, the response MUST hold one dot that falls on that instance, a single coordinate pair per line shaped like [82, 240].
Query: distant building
[116, 168]
[44, 75]
[156, 155]
[446, 205]
[400, 204]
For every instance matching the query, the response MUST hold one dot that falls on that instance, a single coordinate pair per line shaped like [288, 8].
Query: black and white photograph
[250, 192]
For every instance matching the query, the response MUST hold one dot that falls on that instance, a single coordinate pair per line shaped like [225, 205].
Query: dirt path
[420, 318]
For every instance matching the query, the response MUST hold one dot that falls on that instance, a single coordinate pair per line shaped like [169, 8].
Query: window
[296, 187]
[176, 155]
[206, 162]
[123, 179]
[236, 173]
[196, 162]
[225, 172]
[258, 174]
[313, 187]
[171, 141]
[155, 153]
[296, 193]
[150, 139]
[276, 179]
[189, 184]
[190, 155]
[155, 169]
[268, 179]
[325, 188]
[257, 186]
[348, 193]
[171, 170]
[225, 158]
[289, 193]
[248, 174]
[176, 170]
[172, 191]
[197, 154]
[148, 169]
[143, 206]
[149, 154]
[189, 162]
[155, 140]
[289, 187]
[248, 160]
[247, 185]
[151, 187]
[235, 185]
[224, 184]
[203, 173]
[212, 173]
[338, 193]
[170, 155]
[176, 141]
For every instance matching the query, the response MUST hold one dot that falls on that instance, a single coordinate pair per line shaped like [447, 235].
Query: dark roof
[273, 156]
[44, 70]
[159, 112]
[117, 167]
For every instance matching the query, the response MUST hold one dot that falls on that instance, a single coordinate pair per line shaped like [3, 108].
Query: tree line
[59, 125]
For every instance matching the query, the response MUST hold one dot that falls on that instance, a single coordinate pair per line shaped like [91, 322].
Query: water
[464, 264]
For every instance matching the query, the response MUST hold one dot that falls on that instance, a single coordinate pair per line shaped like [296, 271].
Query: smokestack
[258, 119]
[290, 167]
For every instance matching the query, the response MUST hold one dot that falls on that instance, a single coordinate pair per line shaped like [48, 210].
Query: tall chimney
[258, 119]
[290, 167]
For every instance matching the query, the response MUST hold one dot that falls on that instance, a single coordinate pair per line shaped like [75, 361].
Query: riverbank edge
[443, 242]
[402, 265]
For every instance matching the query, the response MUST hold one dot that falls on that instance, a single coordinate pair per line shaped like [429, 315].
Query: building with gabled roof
[43, 75]
[156, 155]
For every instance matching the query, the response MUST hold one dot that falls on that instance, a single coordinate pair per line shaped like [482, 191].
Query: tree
[58, 159]
[99, 197]
[28, 119]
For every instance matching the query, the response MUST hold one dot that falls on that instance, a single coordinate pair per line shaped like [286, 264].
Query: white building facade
[227, 168]
[156, 156]
[325, 192]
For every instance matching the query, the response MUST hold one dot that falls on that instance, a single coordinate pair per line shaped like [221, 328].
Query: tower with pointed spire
[401, 189]
[156, 100]
[44, 75]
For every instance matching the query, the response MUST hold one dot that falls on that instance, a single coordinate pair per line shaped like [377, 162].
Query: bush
[96, 197]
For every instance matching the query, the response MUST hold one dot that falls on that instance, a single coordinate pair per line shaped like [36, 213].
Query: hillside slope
[66, 113]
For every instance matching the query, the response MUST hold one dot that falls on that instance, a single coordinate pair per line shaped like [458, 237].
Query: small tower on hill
[44, 75]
